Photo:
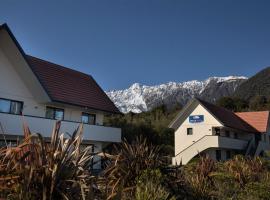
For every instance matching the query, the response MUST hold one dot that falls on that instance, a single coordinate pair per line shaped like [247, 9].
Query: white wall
[182, 140]
[13, 87]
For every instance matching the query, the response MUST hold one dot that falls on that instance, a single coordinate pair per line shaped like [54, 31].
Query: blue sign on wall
[196, 118]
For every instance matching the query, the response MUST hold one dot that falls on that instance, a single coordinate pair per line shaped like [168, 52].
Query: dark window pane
[228, 154]
[85, 118]
[59, 114]
[16, 108]
[92, 119]
[218, 155]
[49, 113]
[189, 131]
[227, 133]
[4, 105]
[88, 118]
[217, 131]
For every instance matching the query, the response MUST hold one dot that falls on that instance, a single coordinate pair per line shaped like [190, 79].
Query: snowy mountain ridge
[140, 98]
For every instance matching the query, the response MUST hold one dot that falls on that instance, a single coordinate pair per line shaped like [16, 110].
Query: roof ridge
[261, 111]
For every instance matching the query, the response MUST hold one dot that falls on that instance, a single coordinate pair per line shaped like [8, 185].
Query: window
[228, 154]
[88, 118]
[10, 106]
[227, 133]
[218, 155]
[235, 135]
[217, 130]
[189, 131]
[54, 113]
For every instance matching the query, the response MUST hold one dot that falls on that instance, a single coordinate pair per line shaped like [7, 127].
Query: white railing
[13, 125]
[206, 142]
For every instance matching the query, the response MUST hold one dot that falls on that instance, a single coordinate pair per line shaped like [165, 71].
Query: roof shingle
[258, 120]
[228, 118]
[69, 86]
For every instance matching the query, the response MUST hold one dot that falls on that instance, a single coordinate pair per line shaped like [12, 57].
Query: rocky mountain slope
[139, 98]
[259, 84]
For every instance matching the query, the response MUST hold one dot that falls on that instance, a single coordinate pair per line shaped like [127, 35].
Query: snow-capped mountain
[139, 98]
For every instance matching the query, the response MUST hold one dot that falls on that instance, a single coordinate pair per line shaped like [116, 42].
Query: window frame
[188, 131]
[10, 105]
[88, 114]
[54, 111]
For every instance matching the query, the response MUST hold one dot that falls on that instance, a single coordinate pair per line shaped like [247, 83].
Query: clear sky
[120, 42]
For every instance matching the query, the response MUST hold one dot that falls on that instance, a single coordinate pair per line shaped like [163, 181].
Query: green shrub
[151, 191]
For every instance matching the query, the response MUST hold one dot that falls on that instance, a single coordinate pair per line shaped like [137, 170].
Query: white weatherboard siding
[182, 140]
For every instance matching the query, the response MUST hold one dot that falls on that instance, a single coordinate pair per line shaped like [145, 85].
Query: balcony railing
[13, 125]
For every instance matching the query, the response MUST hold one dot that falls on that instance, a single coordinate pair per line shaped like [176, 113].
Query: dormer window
[88, 118]
[11, 107]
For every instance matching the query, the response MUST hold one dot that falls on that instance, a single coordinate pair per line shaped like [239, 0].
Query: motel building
[204, 128]
[39, 93]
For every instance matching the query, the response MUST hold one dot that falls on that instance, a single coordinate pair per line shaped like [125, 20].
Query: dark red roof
[69, 86]
[227, 117]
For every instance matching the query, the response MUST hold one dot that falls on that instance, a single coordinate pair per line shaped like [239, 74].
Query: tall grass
[57, 169]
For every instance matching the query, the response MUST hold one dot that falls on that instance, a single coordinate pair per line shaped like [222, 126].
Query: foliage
[152, 125]
[245, 170]
[149, 186]
[150, 190]
[39, 170]
[128, 164]
[201, 180]
[232, 103]
[235, 104]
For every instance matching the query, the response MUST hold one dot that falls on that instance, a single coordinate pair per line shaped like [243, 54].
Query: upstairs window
[54, 113]
[217, 130]
[189, 131]
[10, 106]
[88, 118]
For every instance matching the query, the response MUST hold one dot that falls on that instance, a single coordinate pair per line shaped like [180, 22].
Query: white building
[39, 92]
[205, 128]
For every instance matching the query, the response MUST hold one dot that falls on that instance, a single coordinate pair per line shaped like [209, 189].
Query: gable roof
[225, 117]
[258, 120]
[66, 85]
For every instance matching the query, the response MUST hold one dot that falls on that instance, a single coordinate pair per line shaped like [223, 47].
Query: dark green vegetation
[152, 125]
[252, 95]
[235, 104]
[61, 170]
[257, 85]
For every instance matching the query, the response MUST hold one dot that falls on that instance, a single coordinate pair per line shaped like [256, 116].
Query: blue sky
[120, 42]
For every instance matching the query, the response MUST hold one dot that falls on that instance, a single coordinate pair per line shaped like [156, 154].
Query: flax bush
[58, 169]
